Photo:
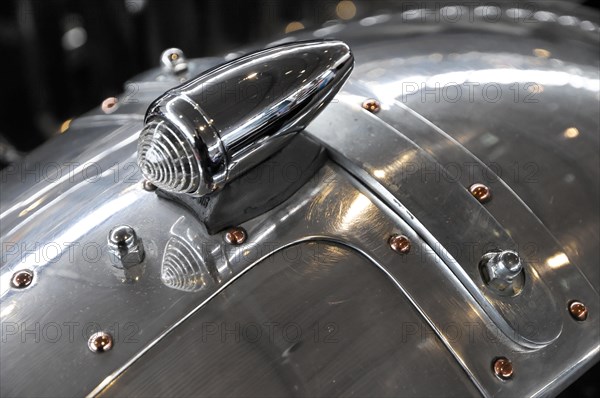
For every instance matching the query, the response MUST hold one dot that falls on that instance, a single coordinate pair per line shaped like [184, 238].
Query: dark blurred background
[63, 57]
[60, 58]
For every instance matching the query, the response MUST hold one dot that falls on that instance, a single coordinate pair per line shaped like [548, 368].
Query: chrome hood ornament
[204, 133]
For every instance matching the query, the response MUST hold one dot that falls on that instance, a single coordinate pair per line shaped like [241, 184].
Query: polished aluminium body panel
[144, 312]
[500, 80]
[322, 344]
[85, 288]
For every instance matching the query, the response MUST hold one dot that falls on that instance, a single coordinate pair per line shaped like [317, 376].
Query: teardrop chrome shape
[204, 133]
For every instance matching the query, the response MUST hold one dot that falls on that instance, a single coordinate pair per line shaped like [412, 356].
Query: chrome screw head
[124, 246]
[499, 269]
[122, 236]
[399, 243]
[503, 368]
[100, 342]
[481, 192]
[578, 310]
[371, 105]
[235, 236]
[22, 278]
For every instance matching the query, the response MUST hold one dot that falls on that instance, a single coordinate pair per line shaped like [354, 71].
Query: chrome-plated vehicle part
[174, 61]
[125, 247]
[206, 132]
[503, 271]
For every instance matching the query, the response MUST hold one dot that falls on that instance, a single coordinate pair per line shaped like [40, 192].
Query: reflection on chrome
[558, 260]
[571, 132]
[182, 267]
[409, 75]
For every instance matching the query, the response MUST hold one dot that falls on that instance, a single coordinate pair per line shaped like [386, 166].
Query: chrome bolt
[148, 186]
[499, 269]
[481, 192]
[399, 244]
[100, 342]
[578, 311]
[125, 247]
[503, 368]
[372, 105]
[173, 61]
[236, 236]
[22, 278]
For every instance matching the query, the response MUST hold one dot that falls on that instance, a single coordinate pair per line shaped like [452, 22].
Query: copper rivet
[22, 278]
[148, 186]
[372, 105]
[399, 244]
[578, 310]
[503, 368]
[481, 192]
[235, 236]
[109, 105]
[100, 342]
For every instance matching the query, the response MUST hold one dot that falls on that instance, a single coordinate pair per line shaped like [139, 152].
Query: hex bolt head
[21, 279]
[578, 310]
[500, 269]
[481, 192]
[235, 236]
[100, 342]
[399, 243]
[503, 368]
[125, 247]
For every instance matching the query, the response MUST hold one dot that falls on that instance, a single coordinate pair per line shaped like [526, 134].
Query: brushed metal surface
[343, 329]
[506, 81]
[456, 225]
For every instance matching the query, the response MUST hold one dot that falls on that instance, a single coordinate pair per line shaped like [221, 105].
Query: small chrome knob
[501, 269]
[173, 61]
[125, 247]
